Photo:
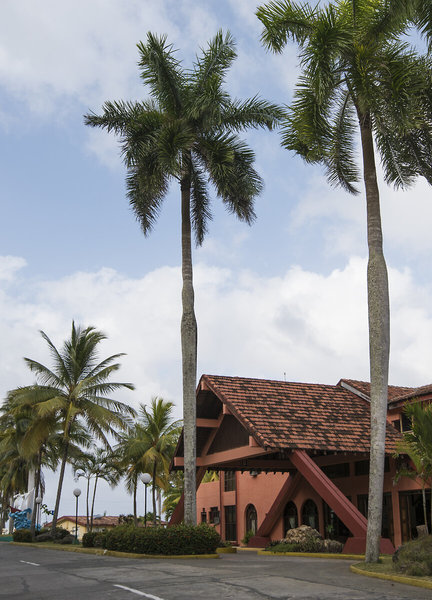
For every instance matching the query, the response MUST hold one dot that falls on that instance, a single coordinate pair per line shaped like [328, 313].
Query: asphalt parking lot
[38, 574]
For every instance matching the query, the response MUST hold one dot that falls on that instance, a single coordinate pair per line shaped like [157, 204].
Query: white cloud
[310, 326]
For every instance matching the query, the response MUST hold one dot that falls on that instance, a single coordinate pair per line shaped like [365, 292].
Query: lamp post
[38, 503]
[145, 478]
[77, 494]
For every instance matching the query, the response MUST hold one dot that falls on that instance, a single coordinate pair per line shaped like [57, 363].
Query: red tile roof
[299, 415]
[394, 391]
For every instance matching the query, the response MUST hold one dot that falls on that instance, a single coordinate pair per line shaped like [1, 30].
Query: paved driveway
[37, 574]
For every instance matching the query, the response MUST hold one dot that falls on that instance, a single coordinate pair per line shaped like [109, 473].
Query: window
[251, 519]
[290, 518]
[412, 512]
[335, 471]
[214, 515]
[230, 523]
[387, 514]
[310, 514]
[203, 516]
[229, 481]
[361, 467]
[406, 423]
[397, 424]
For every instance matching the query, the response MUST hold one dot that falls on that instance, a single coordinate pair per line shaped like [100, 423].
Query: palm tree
[78, 386]
[356, 71]
[187, 133]
[104, 466]
[152, 445]
[82, 466]
[161, 435]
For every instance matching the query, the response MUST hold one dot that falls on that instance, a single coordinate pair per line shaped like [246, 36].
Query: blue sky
[285, 296]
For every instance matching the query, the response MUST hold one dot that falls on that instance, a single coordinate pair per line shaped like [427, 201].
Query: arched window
[290, 516]
[310, 514]
[251, 518]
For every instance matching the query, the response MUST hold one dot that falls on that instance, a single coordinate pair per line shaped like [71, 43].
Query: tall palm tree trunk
[424, 507]
[36, 493]
[87, 505]
[189, 358]
[379, 340]
[154, 493]
[93, 502]
[60, 485]
[135, 503]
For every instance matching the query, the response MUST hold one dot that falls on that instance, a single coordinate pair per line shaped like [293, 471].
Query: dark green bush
[310, 545]
[94, 539]
[178, 539]
[59, 536]
[248, 535]
[414, 558]
[283, 547]
[22, 535]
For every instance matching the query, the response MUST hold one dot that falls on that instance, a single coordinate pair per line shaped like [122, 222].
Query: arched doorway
[310, 514]
[290, 517]
[251, 519]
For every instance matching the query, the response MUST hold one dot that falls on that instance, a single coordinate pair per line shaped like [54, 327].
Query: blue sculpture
[21, 518]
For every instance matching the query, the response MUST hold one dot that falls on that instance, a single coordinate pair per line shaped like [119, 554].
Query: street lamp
[77, 494]
[145, 478]
[38, 503]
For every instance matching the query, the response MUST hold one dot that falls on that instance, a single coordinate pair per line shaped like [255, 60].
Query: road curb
[397, 578]
[115, 553]
[313, 555]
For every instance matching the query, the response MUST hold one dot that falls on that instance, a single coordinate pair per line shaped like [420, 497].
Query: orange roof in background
[286, 415]
[99, 522]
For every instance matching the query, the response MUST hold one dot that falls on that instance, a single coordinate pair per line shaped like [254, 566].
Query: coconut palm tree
[187, 132]
[78, 388]
[104, 466]
[161, 436]
[152, 445]
[357, 76]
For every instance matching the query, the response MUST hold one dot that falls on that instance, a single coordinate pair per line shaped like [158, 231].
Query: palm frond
[252, 113]
[284, 20]
[214, 61]
[162, 72]
[200, 203]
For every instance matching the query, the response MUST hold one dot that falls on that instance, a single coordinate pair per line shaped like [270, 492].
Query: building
[99, 524]
[298, 453]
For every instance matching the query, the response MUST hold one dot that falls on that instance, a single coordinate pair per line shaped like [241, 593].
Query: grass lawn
[385, 567]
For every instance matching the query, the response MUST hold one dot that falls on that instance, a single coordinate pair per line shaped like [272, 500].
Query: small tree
[417, 446]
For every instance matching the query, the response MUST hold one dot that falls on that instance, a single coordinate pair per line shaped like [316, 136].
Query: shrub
[414, 558]
[175, 540]
[248, 535]
[60, 536]
[283, 547]
[94, 539]
[22, 535]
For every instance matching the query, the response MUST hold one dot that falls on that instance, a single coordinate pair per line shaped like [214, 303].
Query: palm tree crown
[187, 132]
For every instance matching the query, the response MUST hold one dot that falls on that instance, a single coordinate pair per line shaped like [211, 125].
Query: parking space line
[137, 592]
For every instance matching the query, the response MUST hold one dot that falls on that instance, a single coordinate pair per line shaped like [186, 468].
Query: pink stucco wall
[262, 490]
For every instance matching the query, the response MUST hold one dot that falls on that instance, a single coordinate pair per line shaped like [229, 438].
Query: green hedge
[94, 539]
[175, 540]
[22, 535]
